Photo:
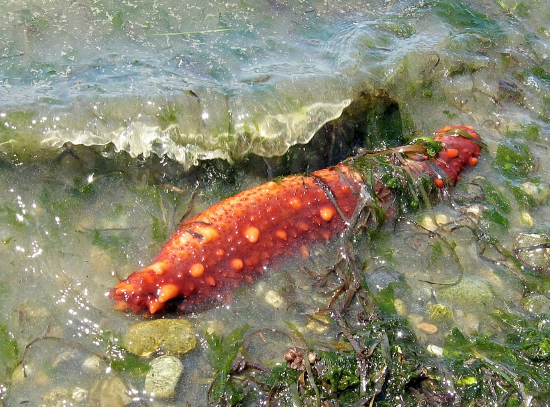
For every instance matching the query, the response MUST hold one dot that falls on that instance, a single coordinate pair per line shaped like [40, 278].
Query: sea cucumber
[234, 241]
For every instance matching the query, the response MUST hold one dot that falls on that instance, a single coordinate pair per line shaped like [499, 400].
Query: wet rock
[435, 350]
[440, 314]
[274, 299]
[509, 91]
[62, 397]
[317, 326]
[533, 250]
[169, 336]
[425, 327]
[109, 392]
[537, 304]
[400, 307]
[57, 397]
[92, 364]
[79, 395]
[162, 379]
[526, 218]
[467, 322]
[470, 293]
[536, 192]
[433, 223]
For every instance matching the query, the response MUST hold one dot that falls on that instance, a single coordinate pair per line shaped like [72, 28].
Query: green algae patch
[222, 351]
[9, 353]
[513, 158]
[465, 18]
[512, 368]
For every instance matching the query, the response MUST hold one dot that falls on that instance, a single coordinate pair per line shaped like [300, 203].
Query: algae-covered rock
[171, 336]
[440, 314]
[470, 293]
[163, 377]
[537, 304]
[537, 193]
[533, 251]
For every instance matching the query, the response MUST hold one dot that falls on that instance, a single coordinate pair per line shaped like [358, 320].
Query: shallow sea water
[100, 136]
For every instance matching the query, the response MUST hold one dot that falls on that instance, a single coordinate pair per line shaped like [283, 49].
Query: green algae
[9, 354]
[467, 19]
[507, 368]
[513, 159]
[222, 351]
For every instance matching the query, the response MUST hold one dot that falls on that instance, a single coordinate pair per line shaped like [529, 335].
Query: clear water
[193, 81]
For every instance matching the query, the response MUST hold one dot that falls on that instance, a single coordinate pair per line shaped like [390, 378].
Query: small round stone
[169, 336]
[162, 380]
[430, 329]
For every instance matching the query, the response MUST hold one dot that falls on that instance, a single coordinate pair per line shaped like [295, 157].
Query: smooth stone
[169, 336]
[470, 293]
[92, 364]
[427, 328]
[537, 304]
[162, 380]
[531, 251]
[109, 392]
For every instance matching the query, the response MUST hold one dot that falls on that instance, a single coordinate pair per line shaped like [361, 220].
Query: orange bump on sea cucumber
[237, 264]
[271, 186]
[167, 292]
[326, 213]
[295, 203]
[155, 305]
[252, 234]
[281, 234]
[157, 267]
[452, 153]
[207, 232]
[196, 270]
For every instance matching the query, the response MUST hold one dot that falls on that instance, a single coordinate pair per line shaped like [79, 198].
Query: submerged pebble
[400, 307]
[470, 293]
[162, 379]
[537, 304]
[538, 192]
[92, 364]
[170, 336]
[109, 392]
[274, 299]
[440, 314]
[427, 328]
[532, 250]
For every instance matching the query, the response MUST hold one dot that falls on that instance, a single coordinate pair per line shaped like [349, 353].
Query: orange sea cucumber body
[232, 242]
